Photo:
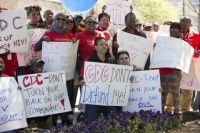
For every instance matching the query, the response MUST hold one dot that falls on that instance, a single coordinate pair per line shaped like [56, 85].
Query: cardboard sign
[137, 47]
[164, 30]
[190, 81]
[197, 67]
[60, 56]
[44, 93]
[172, 52]
[34, 36]
[117, 9]
[144, 92]
[13, 31]
[12, 112]
[106, 84]
[151, 35]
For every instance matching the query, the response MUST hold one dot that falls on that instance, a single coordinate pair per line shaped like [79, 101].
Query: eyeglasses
[174, 30]
[91, 22]
[63, 19]
[69, 22]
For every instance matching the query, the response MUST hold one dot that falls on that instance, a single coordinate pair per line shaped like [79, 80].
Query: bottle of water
[59, 121]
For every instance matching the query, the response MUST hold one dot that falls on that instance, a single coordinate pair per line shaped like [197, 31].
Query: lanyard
[184, 37]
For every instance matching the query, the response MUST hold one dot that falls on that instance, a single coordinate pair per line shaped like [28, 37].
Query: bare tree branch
[192, 7]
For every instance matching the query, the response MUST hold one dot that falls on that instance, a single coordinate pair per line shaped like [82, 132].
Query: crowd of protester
[93, 47]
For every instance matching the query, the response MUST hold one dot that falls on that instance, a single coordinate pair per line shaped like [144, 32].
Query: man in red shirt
[191, 37]
[87, 37]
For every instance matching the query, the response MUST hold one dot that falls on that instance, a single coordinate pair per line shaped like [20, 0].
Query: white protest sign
[117, 9]
[197, 68]
[151, 35]
[34, 36]
[13, 35]
[60, 56]
[115, 27]
[172, 52]
[164, 30]
[12, 112]
[190, 81]
[44, 93]
[106, 84]
[144, 92]
[137, 47]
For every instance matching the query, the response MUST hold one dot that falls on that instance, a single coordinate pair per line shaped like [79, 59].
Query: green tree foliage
[155, 10]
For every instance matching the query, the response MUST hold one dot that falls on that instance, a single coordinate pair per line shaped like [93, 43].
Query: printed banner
[172, 52]
[144, 92]
[106, 84]
[117, 9]
[60, 56]
[138, 47]
[12, 112]
[44, 94]
[190, 81]
[34, 36]
[13, 35]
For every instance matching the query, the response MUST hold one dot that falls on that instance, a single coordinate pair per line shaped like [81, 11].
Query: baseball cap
[78, 16]
[34, 61]
[147, 25]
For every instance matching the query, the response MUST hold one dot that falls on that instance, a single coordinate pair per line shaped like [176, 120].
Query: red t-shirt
[4, 75]
[10, 65]
[57, 37]
[192, 38]
[86, 43]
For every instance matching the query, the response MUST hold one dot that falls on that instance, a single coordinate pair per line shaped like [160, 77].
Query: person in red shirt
[10, 61]
[87, 37]
[59, 33]
[171, 77]
[104, 22]
[191, 37]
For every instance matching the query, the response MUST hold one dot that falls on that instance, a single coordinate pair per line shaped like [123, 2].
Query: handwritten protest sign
[12, 112]
[197, 68]
[144, 92]
[34, 36]
[60, 56]
[164, 30]
[115, 27]
[117, 9]
[106, 84]
[151, 35]
[44, 93]
[137, 47]
[190, 81]
[172, 52]
[13, 31]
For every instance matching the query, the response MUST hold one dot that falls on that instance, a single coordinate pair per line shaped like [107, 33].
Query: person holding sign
[59, 33]
[93, 111]
[171, 77]
[130, 20]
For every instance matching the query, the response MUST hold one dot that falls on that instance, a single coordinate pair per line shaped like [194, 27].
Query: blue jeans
[92, 112]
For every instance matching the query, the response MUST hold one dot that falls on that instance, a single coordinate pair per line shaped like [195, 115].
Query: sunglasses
[69, 22]
[91, 22]
[63, 19]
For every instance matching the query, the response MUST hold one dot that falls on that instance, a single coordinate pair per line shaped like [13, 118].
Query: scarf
[54, 28]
